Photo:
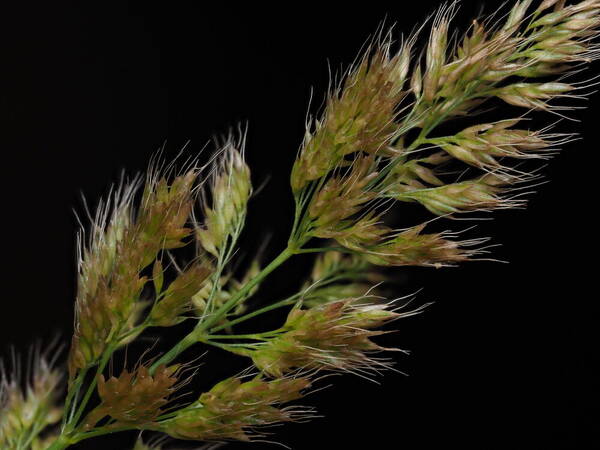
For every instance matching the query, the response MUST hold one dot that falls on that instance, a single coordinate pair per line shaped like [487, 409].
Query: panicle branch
[345, 183]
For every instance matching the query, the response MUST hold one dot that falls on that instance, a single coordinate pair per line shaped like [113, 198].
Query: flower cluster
[230, 191]
[121, 246]
[133, 398]
[334, 336]
[349, 193]
[358, 117]
[233, 408]
[176, 300]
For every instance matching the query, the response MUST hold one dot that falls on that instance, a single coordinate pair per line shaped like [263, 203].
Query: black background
[501, 360]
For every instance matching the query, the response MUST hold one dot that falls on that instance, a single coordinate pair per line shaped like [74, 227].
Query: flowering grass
[378, 144]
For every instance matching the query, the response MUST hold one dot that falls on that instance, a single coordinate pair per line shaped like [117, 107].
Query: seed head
[341, 198]
[411, 248]
[334, 336]
[359, 116]
[177, 298]
[121, 245]
[232, 409]
[481, 145]
[230, 191]
[133, 398]
[479, 194]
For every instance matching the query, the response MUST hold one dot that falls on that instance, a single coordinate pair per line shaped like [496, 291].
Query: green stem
[256, 336]
[178, 348]
[234, 300]
[72, 423]
[197, 333]
[72, 395]
[238, 349]
[64, 441]
[288, 301]
[61, 443]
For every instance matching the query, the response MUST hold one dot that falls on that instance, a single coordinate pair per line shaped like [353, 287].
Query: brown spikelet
[133, 398]
[340, 198]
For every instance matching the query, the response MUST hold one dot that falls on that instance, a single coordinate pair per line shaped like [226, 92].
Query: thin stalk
[64, 441]
[234, 300]
[286, 302]
[72, 395]
[61, 443]
[197, 333]
[257, 336]
[178, 348]
[327, 249]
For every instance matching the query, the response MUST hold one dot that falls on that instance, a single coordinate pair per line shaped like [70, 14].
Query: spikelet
[341, 198]
[230, 191]
[336, 276]
[359, 116]
[457, 81]
[25, 413]
[133, 398]
[334, 336]
[435, 56]
[122, 244]
[410, 174]
[480, 194]
[532, 95]
[412, 248]
[482, 145]
[233, 409]
[176, 300]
